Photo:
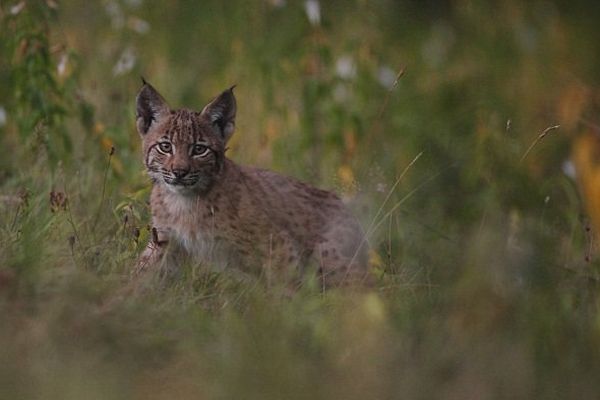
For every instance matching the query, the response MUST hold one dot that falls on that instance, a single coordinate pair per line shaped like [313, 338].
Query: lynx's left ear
[221, 113]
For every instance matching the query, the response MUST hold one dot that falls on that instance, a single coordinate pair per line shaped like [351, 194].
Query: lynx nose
[180, 172]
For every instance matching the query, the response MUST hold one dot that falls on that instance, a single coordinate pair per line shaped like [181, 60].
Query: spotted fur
[208, 209]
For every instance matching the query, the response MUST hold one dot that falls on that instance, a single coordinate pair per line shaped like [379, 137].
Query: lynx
[208, 209]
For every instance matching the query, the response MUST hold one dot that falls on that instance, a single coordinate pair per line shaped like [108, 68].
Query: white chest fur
[191, 227]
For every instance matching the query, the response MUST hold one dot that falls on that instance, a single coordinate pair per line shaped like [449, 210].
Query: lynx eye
[200, 150]
[165, 147]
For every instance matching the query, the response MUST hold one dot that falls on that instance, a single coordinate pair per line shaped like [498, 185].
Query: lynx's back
[208, 208]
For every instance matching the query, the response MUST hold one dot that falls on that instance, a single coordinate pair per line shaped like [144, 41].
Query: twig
[538, 139]
[14, 222]
[401, 201]
[391, 191]
[370, 229]
[590, 239]
[375, 126]
[73, 227]
[110, 154]
[389, 93]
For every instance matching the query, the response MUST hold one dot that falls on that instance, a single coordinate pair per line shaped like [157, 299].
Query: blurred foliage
[427, 116]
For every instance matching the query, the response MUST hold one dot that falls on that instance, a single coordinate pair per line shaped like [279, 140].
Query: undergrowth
[448, 128]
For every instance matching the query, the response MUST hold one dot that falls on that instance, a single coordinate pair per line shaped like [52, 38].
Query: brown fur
[209, 209]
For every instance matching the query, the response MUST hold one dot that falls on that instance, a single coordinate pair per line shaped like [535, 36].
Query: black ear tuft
[221, 112]
[150, 108]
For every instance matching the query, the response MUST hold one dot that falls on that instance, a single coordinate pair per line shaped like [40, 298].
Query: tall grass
[425, 117]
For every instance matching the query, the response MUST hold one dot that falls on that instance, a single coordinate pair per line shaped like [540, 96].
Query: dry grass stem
[538, 139]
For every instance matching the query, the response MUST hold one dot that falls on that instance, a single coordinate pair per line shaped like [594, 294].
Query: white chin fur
[181, 189]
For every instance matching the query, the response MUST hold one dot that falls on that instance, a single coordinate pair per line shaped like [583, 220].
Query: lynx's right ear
[150, 108]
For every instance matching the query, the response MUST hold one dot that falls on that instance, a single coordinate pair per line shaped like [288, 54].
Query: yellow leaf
[374, 307]
[375, 259]
[98, 128]
[586, 157]
[106, 143]
[350, 142]
[117, 165]
[346, 176]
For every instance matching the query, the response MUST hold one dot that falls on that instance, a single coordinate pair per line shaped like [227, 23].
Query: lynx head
[184, 149]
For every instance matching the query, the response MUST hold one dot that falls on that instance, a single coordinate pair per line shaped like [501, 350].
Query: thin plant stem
[538, 139]
[97, 217]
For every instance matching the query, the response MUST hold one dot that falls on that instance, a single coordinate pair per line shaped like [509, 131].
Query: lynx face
[183, 149]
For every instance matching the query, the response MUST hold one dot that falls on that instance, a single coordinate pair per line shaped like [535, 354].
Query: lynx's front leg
[153, 254]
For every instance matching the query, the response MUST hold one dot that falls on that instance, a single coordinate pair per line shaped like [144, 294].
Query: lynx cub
[206, 208]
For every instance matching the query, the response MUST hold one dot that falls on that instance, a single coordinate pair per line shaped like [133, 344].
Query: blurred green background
[464, 134]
